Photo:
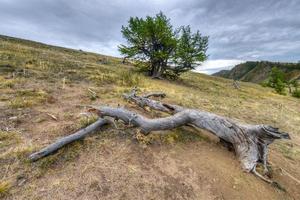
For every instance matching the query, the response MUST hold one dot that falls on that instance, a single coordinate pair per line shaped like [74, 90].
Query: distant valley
[258, 71]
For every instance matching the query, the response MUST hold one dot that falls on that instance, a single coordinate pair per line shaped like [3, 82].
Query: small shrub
[85, 121]
[7, 83]
[280, 87]
[8, 138]
[264, 84]
[101, 79]
[130, 79]
[296, 93]
[277, 80]
[19, 102]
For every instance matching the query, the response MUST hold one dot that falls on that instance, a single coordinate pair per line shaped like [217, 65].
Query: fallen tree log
[67, 140]
[250, 142]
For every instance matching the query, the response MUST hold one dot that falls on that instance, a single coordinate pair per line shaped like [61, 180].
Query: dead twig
[52, 116]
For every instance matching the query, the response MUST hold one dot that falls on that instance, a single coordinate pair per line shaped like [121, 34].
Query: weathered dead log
[250, 142]
[68, 139]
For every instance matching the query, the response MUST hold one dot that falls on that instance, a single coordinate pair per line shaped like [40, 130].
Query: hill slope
[258, 71]
[38, 82]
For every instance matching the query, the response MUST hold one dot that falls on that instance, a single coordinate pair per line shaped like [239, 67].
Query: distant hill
[258, 71]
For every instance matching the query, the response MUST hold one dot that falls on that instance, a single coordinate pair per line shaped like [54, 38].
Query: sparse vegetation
[8, 138]
[112, 156]
[28, 98]
[6, 83]
[131, 79]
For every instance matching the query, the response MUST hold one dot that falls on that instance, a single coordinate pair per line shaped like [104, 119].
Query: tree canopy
[163, 49]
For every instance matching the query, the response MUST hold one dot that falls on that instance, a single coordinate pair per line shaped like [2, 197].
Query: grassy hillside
[258, 71]
[38, 82]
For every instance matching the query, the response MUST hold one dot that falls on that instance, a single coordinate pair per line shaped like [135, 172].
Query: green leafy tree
[191, 50]
[153, 42]
[277, 80]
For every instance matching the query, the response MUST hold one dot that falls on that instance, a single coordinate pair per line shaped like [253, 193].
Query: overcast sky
[239, 30]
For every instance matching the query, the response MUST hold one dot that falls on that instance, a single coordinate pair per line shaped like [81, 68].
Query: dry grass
[57, 81]
[4, 188]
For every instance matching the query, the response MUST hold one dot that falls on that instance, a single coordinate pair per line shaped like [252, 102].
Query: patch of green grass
[178, 135]
[8, 138]
[28, 98]
[7, 83]
[19, 102]
[183, 135]
[131, 79]
[68, 115]
[87, 120]
[20, 152]
[101, 79]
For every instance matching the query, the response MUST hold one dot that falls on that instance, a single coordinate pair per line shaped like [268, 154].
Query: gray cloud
[238, 29]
